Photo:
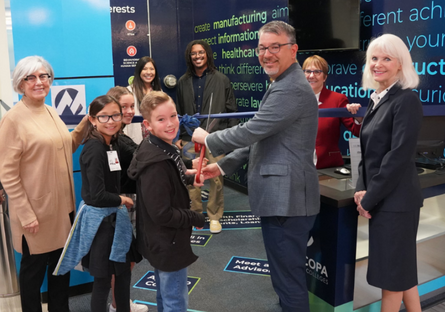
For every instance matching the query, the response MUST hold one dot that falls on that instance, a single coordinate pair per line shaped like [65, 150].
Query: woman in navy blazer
[388, 190]
[326, 146]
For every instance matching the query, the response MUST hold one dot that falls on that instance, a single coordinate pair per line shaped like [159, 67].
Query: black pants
[101, 289]
[31, 276]
[285, 240]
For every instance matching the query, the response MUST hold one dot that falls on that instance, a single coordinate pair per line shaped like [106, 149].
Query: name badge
[113, 161]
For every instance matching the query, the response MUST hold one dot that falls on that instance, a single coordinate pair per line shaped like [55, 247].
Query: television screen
[431, 142]
[326, 24]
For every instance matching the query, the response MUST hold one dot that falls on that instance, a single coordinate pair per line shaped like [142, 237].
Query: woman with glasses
[36, 172]
[145, 79]
[328, 153]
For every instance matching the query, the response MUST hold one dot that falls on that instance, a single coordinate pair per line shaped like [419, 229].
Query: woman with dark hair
[145, 79]
[36, 172]
[388, 190]
[326, 147]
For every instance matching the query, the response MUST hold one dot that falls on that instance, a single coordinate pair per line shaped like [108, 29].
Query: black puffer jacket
[164, 219]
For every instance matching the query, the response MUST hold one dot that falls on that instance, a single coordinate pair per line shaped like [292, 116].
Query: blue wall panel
[74, 36]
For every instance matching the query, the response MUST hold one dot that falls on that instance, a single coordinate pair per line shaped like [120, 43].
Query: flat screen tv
[326, 24]
[431, 142]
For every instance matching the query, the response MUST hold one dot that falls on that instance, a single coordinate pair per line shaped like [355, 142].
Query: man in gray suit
[279, 143]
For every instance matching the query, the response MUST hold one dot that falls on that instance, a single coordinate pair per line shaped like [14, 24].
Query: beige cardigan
[30, 178]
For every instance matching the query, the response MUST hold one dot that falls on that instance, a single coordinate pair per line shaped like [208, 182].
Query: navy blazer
[388, 141]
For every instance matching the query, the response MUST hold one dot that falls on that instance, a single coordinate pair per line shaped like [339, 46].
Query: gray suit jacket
[279, 142]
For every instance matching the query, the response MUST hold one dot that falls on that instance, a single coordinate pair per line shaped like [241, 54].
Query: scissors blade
[210, 111]
[212, 124]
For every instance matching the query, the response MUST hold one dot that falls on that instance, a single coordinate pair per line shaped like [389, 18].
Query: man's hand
[211, 171]
[199, 136]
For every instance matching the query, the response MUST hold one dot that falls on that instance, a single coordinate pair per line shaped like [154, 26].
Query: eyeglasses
[275, 48]
[316, 72]
[199, 53]
[33, 78]
[106, 118]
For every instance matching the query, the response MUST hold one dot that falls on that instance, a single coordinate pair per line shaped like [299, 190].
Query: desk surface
[340, 192]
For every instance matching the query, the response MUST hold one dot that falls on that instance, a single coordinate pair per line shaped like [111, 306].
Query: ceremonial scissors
[202, 147]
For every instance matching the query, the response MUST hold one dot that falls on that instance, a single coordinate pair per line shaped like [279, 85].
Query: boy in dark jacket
[164, 223]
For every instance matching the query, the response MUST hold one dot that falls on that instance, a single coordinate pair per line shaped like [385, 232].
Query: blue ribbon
[188, 122]
[428, 110]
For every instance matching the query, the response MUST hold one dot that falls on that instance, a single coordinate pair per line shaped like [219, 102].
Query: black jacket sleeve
[163, 201]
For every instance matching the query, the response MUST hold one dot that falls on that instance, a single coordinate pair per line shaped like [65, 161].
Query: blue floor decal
[148, 282]
[248, 266]
[154, 304]
[200, 239]
[236, 220]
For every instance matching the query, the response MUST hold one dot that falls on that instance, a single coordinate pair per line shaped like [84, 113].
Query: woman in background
[36, 172]
[328, 153]
[388, 189]
[145, 79]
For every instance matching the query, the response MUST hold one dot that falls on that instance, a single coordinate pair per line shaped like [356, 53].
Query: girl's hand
[201, 183]
[127, 201]
[196, 161]
[191, 171]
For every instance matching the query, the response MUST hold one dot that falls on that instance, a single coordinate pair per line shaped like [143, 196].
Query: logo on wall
[131, 51]
[130, 25]
[69, 100]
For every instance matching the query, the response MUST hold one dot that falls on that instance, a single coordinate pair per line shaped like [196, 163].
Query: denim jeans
[171, 291]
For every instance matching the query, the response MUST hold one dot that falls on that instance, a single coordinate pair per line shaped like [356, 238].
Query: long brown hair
[117, 92]
[138, 83]
[95, 107]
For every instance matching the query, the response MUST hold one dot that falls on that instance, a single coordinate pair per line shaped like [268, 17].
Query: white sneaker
[215, 227]
[134, 307]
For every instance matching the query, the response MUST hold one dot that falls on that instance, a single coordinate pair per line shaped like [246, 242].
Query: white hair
[395, 48]
[27, 66]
